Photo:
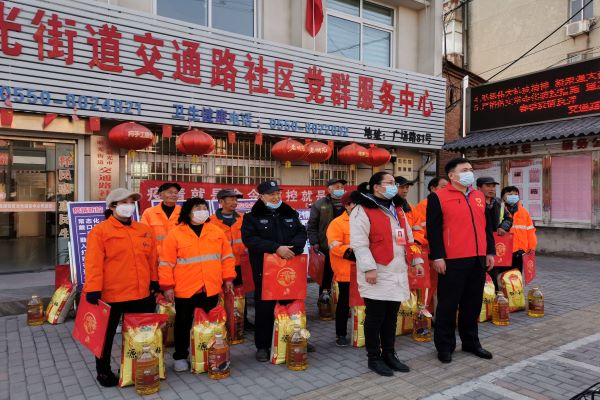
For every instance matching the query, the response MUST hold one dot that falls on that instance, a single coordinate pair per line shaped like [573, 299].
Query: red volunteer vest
[464, 222]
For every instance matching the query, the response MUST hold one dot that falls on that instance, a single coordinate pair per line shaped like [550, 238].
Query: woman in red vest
[381, 236]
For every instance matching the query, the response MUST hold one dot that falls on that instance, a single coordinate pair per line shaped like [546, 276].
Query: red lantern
[378, 156]
[317, 152]
[288, 150]
[195, 142]
[130, 136]
[353, 154]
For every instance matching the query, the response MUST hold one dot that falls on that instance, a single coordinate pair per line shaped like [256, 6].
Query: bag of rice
[235, 303]
[286, 317]
[488, 299]
[404, 322]
[164, 307]
[512, 286]
[60, 304]
[140, 330]
[203, 332]
[335, 293]
[358, 326]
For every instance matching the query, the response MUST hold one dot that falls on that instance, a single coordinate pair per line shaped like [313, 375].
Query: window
[575, 9]
[324, 172]
[453, 39]
[235, 16]
[360, 30]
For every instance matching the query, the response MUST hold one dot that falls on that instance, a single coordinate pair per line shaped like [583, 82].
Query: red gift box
[355, 299]
[316, 265]
[419, 282]
[284, 279]
[504, 247]
[529, 266]
[91, 323]
[247, 277]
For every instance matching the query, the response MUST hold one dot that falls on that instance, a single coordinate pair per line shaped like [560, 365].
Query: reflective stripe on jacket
[338, 236]
[190, 263]
[523, 231]
[120, 261]
[156, 219]
[233, 234]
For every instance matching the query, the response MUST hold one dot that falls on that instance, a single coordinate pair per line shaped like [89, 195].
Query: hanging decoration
[353, 154]
[258, 139]
[288, 150]
[94, 124]
[317, 152]
[195, 142]
[167, 131]
[130, 136]
[378, 156]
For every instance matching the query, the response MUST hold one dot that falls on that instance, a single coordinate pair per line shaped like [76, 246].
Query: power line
[587, 52]
[541, 41]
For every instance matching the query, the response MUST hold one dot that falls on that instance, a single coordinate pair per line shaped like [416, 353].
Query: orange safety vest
[120, 261]
[233, 234]
[191, 264]
[523, 231]
[416, 218]
[338, 237]
[156, 219]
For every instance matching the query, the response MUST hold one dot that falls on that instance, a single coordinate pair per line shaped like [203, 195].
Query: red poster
[91, 323]
[416, 281]
[316, 265]
[284, 279]
[247, 277]
[504, 246]
[355, 299]
[529, 267]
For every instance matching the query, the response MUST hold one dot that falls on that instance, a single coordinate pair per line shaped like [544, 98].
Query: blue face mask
[466, 178]
[512, 199]
[390, 191]
[338, 193]
[274, 206]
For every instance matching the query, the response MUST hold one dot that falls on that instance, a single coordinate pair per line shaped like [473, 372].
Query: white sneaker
[181, 365]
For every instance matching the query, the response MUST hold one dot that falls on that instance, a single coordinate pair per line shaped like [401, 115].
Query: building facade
[247, 72]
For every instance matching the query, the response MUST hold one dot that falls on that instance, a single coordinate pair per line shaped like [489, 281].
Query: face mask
[199, 216]
[274, 206]
[338, 193]
[512, 199]
[466, 178]
[125, 210]
[390, 191]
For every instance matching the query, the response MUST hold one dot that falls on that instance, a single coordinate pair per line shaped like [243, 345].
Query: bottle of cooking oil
[218, 359]
[422, 325]
[237, 336]
[535, 298]
[297, 354]
[147, 378]
[35, 311]
[325, 304]
[500, 310]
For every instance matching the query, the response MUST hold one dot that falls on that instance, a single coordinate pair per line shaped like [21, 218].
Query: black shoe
[445, 357]
[341, 341]
[310, 348]
[391, 359]
[262, 355]
[248, 326]
[479, 352]
[107, 380]
[378, 366]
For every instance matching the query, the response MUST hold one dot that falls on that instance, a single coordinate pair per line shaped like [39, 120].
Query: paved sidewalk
[553, 357]
[17, 289]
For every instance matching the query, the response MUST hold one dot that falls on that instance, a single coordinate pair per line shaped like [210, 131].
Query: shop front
[541, 133]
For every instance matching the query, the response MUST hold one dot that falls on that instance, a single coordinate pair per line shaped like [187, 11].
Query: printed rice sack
[488, 299]
[164, 307]
[286, 317]
[512, 286]
[404, 322]
[235, 303]
[204, 329]
[358, 326]
[60, 304]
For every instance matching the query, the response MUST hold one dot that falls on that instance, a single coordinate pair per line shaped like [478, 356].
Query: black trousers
[117, 310]
[264, 317]
[460, 287]
[517, 262]
[342, 310]
[327, 273]
[380, 326]
[184, 317]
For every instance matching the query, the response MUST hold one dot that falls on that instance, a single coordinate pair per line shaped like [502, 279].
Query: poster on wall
[489, 168]
[526, 175]
[104, 173]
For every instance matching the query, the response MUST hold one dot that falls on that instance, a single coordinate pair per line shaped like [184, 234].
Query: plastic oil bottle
[218, 359]
[325, 305]
[422, 325]
[500, 310]
[535, 298]
[297, 354]
[35, 311]
[147, 378]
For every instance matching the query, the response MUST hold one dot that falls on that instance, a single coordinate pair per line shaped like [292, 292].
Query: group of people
[191, 256]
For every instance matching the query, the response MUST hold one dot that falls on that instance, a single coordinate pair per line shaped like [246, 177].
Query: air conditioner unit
[578, 28]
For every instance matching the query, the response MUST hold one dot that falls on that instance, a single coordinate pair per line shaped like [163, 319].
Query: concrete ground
[554, 357]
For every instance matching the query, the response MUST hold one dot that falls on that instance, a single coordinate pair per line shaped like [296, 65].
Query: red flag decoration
[48, 118]
[167, 131]
[314, 16]
[94, 124]
[231, 137]
[258, 139]
[6, 117]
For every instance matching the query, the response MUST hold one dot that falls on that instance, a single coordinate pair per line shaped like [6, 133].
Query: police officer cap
[268, 187]
[402, 181]
[334, 181]
[221, 194]
[169, 185]
[486, 179]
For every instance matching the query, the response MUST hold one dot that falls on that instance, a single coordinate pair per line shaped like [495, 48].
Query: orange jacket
[156, 219]
[233, 234]
[120, 261]
[523, 231]
[338, 237]
[416, 217]
[191, 263]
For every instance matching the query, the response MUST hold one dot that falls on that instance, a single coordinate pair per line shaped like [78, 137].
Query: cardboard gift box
[504, 247]
[91, 323]
[529, 267]
[284, 279]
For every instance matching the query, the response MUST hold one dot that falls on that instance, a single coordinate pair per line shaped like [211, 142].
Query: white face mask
[125, 210]
[199, 216]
